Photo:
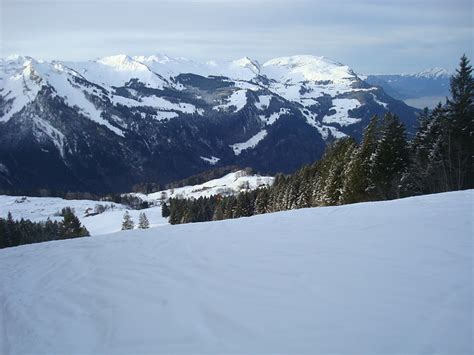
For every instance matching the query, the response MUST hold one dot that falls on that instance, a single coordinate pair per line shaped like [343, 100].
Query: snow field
[39, 209]
[370, 278]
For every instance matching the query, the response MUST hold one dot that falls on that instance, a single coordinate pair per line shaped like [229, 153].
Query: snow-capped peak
[16, 58]
[432, 73]
[123, 62]
[307, 68]
[248, 63]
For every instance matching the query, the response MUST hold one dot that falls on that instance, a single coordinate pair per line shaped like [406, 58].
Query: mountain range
[108, 124]
[422, 89]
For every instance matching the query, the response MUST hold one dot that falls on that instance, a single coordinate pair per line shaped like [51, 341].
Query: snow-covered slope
[299, 78]
[39, 209]
[389, 277]
[229, 184]
[301, 68]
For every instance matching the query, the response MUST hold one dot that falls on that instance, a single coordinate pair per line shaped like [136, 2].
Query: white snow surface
[342, 108]
[236, 101]
[20, 86]
[383, 104]
[300, 78]
[229, 184]
[300, 68]
[432, 73]
[117, 70]
[274, 116]
[390, 277]
[252, 142]
[39, 209]
[212, 160]
[264, 102]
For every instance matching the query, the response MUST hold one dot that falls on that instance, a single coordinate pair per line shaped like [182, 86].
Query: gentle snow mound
[373, 278]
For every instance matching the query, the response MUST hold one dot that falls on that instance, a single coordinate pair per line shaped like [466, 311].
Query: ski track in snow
[371, 278]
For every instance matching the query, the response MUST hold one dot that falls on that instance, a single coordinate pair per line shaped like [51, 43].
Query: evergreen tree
[165, 210]
[391, 158]
[460, 111]
[9, 230]
[415, 181]
[230, 207]
[127, 223]
[71, 226]
[364, 183]
[243, 206]
[219, 211]
[337, 159]
[353, 185]
[143, 222]
[13, 233]
[262, 201]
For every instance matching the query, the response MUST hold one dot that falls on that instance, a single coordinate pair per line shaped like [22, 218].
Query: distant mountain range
[107, 124]
[425, 88]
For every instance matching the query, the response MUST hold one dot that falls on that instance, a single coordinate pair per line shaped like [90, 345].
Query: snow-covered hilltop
[230, 184]
[386, 277]
[177, 114]
[109, 219]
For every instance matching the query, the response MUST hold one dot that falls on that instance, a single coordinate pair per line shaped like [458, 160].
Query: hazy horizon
[371, 37]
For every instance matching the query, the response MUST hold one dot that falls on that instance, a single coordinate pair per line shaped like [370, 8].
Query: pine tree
[143, 222]
[71, 226]
[364, 183]
[219, 211]
[353, 187]
[415, 181]
[127, 223]
[229, 211]
[243, 206]
[336, 160]
[460, 110]
[165, 210]
[262, 201]
[391, 158]
[9, 231]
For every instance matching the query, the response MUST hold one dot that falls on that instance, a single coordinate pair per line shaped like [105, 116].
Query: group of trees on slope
[14, 233]
[384, 165]
[128, 223]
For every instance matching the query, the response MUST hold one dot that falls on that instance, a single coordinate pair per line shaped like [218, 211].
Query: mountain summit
[110, 123]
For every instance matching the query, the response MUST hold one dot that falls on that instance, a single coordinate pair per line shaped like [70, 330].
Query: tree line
[384, 165]
[14, 233]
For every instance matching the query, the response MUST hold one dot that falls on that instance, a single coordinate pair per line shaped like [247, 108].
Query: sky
[371, 36]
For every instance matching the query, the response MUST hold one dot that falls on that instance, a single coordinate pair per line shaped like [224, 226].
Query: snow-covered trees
[390, 158]
[143, 222]
[127, 221]
[13, 233]
[442, 150]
